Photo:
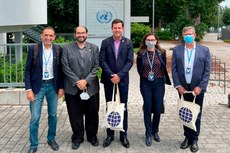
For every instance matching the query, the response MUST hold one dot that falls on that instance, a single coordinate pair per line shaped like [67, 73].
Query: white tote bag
[187, 112]
[115, 112]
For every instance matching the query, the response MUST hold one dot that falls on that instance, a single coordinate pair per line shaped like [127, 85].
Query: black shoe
[75, 145]
[94, 141]
[185, 144]
[53, 144]
[194, 146]
[125, 142]
[107, 141]
[32, 150]
[156, 137]
[148, 141]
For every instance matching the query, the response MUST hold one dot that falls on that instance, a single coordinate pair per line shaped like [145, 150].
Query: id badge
[151, 76]
[46, 74]
[188, 70]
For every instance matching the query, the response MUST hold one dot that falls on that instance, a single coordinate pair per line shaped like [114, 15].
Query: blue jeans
[153, 96]
[48, 90]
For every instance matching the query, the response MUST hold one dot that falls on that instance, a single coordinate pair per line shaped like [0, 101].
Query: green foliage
[226, 17]
[99, 73]
[164, 35]
[137, 33]
[61, 39]
[15, 70]
[200, 31]
[63, 15]
[227, 40]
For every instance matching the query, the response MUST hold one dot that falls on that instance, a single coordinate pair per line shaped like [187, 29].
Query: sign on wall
[100, 14]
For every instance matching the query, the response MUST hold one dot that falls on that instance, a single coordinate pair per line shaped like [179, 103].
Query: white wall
[23, 12]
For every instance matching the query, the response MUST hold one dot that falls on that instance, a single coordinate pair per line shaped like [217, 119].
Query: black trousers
[77, 108]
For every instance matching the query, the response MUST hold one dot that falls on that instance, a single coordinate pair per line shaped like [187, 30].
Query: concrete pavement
[214, 136]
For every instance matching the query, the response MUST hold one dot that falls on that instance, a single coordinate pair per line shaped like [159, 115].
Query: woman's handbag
[115, 112]
[187, 112]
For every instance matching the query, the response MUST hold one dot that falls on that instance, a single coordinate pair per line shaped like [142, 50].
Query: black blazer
[140, 65]
[33, 79]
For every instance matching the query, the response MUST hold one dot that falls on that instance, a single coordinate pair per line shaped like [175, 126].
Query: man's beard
[81, 41]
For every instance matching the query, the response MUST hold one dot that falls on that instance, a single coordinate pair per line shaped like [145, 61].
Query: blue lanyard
[46, 61]
[151, 62]
[189, 55]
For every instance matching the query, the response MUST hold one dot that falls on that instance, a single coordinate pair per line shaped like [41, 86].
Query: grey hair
[188, 28]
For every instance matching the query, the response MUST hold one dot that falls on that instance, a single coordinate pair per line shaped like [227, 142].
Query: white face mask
[84, 95]
[150, 44]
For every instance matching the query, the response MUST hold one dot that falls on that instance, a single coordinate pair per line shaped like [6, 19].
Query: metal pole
[153, 15]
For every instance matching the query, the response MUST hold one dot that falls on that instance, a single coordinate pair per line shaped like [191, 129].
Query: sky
[225, 3]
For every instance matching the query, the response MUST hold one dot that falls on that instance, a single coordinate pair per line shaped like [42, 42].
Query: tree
[226, 17]
[63, 15]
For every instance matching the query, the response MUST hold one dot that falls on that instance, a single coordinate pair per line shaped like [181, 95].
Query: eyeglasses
[150, 40]
[188, 34]
[79, 33]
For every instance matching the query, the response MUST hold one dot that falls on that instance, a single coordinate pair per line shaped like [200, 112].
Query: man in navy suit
[116, 59]
[44, 77]
[191, 64]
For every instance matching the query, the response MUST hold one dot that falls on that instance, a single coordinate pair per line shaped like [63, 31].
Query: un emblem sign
[114, 119]
[185, 114]
[104, 16]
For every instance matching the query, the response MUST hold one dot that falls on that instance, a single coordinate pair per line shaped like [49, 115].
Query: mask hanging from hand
[84, 95]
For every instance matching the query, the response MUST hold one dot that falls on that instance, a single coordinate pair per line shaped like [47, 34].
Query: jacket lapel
[88, 54]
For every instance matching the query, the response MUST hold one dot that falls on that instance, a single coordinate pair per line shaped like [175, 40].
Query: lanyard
[46, 61]
[151, 62]
[189, 55]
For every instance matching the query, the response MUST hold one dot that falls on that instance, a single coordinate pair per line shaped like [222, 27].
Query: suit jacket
[71, 61]
[140, 65]
[33, 78]
[120, 66]
[201, 67]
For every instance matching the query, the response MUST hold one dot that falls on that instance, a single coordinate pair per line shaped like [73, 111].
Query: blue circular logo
[185, 114]
[114, 119]
[104, 16]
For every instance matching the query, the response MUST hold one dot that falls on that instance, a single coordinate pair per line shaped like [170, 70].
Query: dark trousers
[77, 108]
[108, 87]
[153, 96]
[189, 133]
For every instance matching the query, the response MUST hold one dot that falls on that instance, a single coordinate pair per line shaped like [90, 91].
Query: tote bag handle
[182, 97]
[117, 95]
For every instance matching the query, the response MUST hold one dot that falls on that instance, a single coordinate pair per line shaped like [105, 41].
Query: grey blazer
[73, 71]
[201, 68]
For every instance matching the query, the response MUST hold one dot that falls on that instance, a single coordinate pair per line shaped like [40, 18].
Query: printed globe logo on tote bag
[187, 112]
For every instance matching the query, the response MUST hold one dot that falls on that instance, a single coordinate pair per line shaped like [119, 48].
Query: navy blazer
[201, 67]
[110, 65]
[33, 79]
[140, 65]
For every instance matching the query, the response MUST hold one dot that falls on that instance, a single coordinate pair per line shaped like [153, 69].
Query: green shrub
[227, 40]
[164, 35]
[137, 33]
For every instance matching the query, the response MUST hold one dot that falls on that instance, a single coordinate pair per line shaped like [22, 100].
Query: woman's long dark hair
[143, 46]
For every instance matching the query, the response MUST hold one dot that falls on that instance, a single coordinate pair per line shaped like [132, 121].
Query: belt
[48, 81]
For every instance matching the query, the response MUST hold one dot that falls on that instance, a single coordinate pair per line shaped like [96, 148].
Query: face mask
[84, 95]
[189, 39]
[150, 44]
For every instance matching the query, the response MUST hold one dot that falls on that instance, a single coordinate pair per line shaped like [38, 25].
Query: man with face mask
[80, 65]
[191, 64]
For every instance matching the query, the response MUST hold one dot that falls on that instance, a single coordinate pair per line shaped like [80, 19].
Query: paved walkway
[214, 137]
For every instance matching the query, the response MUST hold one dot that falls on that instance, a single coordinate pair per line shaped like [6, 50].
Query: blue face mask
[189, 39]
